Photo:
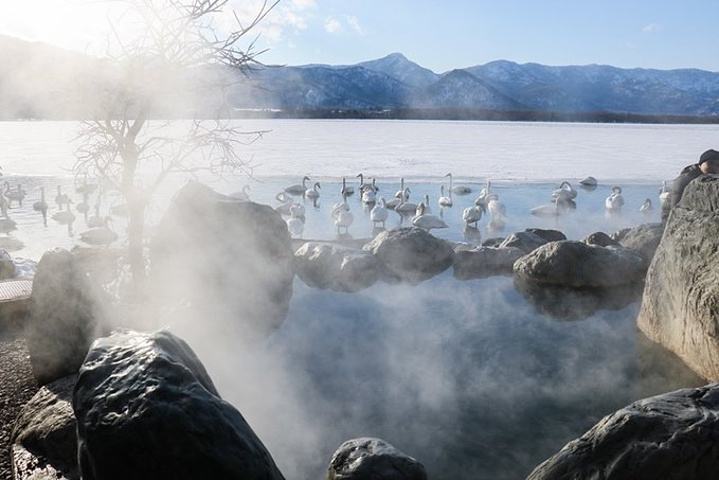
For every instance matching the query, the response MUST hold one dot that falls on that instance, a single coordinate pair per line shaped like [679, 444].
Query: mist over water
[465, 376]
[472, 378]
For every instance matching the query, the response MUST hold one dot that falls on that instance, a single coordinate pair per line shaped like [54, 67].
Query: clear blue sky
[439, 35]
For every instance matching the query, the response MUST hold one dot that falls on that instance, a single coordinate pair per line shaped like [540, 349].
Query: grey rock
[231, 259]
[147, 409]
[482, 262]
[526, 241]
[410, 254]
[548, 234]
[599, 239]
[680, 305]
[673, 436]
[493, 242]
[335, 267]
[575, 264]
[373, 459]
[44, 442]
[67, 313]
[643, 238]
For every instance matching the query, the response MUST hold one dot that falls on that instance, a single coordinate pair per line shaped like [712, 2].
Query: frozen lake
[476, 379]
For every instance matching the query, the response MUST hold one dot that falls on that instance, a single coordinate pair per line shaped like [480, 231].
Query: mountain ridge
[41, 81]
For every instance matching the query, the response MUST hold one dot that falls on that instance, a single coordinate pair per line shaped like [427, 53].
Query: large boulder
[410, 255]
[67, 312]
[44, 442]
[643, 238]
[526, 241]
[673, 435]
[231, 260]
[573, 263]
[147, 409]
[373, 459]
[680, 306]
[338, 268]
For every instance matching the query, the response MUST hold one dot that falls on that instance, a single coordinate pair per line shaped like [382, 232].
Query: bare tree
[176, 50]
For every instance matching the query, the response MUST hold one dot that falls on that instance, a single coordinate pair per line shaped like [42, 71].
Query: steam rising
[463, 376]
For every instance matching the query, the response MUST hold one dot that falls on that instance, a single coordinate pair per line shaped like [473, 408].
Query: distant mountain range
[395, 82]
[39, 81]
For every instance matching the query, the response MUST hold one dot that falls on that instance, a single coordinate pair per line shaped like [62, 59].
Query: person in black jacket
[708, 164]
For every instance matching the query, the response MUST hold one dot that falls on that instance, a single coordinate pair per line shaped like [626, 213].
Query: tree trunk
[135, 254]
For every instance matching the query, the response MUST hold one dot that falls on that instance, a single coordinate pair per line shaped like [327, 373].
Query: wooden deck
[14, 303]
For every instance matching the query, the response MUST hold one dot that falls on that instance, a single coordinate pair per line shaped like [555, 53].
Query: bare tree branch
[176, 44]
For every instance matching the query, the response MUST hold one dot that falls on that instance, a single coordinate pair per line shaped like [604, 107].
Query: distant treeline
[478, 114]
[423, 114]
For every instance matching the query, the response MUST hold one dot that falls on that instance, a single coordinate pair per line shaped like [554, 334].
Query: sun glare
[81, 25]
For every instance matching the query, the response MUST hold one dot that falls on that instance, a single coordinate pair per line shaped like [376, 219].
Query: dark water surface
[466, 376]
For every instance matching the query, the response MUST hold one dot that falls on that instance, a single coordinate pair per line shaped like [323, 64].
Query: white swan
[444, 201]
[298, 189]
[312, 192]
[342, 215]
[243, 195]
[337, 207]
[369, 193]
[83, 207]
[296, 222]
[41, 206]
[285, 203]
[379, 213]
[297, 210]
[472, 215]
[425, 202]
[61, 198]
[427, 221]
[564, 192]
[64, 217]
[86, 188]
[588, 182]
[481, 200]
[399, 197]
[614, 202]
[361, 182]
[497, 212]
[96, 220]
[344, 220]
[99, 235]
[458, 189]
[664, 194]
[401, 189]
[546, 210]
[647, 208]
[346, 189]
[404, 207]
[14, 195]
